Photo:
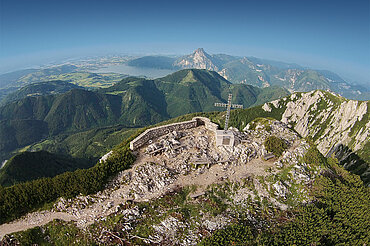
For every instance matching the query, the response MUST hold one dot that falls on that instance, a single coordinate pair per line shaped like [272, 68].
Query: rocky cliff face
[351, 162]
[327, 118]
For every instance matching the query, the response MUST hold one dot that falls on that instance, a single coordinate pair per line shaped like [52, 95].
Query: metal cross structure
[228, 106]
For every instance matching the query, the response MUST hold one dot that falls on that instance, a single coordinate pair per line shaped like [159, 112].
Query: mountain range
[259, 72]
[236, 69]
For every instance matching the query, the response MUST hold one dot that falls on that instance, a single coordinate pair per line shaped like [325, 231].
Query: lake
[134, 71]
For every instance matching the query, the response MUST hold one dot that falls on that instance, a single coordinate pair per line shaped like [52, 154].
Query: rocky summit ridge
[339, 127]
[190, 160]
[327, 118]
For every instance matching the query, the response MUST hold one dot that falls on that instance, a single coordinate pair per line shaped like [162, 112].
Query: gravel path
[89, 215]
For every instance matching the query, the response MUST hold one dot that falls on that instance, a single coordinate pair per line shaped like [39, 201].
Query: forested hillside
[33, 165]
[133, 102]
[40, 89]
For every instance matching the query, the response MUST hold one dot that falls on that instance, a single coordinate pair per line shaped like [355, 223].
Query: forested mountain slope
[33, 165]
[39, 89]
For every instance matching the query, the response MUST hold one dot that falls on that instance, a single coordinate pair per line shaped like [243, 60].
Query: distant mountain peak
[200, 51]
[201, 54]
[198, 59]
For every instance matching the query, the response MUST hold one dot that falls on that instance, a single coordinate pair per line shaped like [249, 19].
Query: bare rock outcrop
[326, 117]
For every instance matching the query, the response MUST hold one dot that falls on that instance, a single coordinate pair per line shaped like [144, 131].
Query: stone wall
[156, 132]
[207, 123]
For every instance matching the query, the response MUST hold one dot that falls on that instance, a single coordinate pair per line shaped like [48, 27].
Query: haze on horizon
[333, 35]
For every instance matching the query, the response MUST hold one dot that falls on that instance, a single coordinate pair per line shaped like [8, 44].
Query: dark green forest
[21, 198]
[33, 165]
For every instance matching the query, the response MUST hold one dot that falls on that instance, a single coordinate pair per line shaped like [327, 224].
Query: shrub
[313, 156]
[232, 235]
[275, 145]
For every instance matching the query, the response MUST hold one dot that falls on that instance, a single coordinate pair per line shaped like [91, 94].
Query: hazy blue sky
[328, 34]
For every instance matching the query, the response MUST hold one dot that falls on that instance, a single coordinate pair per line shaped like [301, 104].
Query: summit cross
[228, 106]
